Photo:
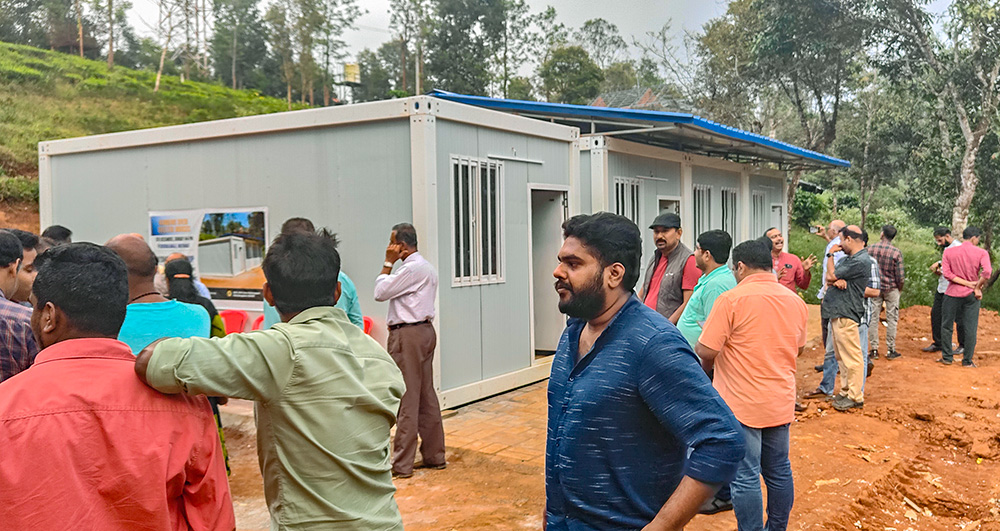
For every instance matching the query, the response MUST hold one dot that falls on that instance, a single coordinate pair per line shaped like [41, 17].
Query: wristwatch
[387, 264]
[829, 255]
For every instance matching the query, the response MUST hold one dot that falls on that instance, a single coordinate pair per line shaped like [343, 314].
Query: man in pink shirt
[967, 268]
[792, 272]
[86, 444]
[753, 355]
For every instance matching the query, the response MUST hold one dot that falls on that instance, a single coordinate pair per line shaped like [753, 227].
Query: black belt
[401, 325]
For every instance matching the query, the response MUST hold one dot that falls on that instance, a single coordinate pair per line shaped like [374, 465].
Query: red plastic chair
[258, 322]
[368, 324]
[235, 320]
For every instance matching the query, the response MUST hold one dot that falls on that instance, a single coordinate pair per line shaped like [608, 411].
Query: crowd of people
[663, 403]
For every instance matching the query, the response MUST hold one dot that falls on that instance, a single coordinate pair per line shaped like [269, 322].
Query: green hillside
[48, 95]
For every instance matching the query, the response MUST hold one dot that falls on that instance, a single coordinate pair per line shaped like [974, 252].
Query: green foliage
[807, 207]
[18, 189]
[570, 76]
[68, 96]
[463, 43]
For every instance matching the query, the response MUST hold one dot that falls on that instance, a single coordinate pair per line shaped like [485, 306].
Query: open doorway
[549, 209]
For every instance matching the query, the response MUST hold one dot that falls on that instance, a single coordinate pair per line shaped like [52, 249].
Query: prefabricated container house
[228, 255]
[486, 182]
[484, 189]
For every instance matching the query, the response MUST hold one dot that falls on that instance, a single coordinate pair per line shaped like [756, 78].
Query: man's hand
[809, 262]
[781, 272]
[840, 284]
[835, 248]
[936, 268]
[978, 293]
[392, 252]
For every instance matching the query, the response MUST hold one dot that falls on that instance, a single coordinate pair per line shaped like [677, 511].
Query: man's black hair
[405, 233]
[769, 230]
[611, 238]
[889, 232]
[864, 236]
[10, 248]
[297, 224]
[941, 232]
[717, 242]
[58, 233]
[767, 243]
[28, 240]
[971, 232]
[88, 282]
[754, 254]
[302, 269]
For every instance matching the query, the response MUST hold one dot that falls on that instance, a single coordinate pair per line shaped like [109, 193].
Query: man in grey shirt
[844, 307]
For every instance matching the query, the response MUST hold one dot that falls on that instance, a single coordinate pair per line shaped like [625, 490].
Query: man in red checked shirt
[792, 272]
[672, 273]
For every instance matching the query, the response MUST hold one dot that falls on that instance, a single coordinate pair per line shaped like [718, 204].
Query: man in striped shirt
[17, 343]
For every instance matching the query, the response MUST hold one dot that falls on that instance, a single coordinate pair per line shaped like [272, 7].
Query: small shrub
[18, 189]
[807, 208]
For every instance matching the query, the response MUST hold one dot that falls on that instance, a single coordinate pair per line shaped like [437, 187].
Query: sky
[633, 17]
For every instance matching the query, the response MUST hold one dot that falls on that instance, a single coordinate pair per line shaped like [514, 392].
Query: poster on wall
[225, 246]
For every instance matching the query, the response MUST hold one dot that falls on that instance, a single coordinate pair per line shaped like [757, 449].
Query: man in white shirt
[411, 291]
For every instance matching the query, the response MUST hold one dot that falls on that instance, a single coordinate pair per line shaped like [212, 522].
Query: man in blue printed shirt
[627, 398]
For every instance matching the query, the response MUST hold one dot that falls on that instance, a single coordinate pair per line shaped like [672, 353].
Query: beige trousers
[847, 347]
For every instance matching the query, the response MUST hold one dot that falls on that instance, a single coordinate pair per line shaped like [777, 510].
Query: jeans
[936, 322]
[863, 332]
[767, 455]
[830, 366]
[966, 309]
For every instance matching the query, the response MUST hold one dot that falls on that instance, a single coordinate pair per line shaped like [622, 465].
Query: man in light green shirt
[325, 394]
[710, 255]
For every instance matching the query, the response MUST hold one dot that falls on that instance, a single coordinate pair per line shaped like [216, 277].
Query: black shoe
[715, 505]
[871, 367]
[442, 466]
[932, 348]
[843, 404]
[970, 365]
[799, 408]
[959, 351]
[892, 354]
[873, 355]
[944, 361]
[816, 394]
[400, 475]
[819, 368]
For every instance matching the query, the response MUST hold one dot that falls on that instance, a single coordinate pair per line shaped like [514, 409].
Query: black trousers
[936, 321]
[968, 309]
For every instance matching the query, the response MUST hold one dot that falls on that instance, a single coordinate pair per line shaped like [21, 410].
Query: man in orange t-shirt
[753, 353]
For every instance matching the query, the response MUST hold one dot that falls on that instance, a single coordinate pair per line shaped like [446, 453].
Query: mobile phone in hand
[813, 230]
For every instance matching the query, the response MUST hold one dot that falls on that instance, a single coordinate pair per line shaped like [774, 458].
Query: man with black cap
[672, 273]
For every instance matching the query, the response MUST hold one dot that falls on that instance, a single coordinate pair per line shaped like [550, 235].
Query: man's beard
[586, 302]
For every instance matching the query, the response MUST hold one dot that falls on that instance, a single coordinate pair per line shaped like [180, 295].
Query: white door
[548, 212]
[778, 217]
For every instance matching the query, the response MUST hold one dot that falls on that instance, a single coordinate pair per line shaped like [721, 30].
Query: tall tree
[279, 31]
[239, 40]
[338, 16]
[409, 21]
[462, 43]
[602, 41]
[517, 41]
[570, 76]
[963, 63]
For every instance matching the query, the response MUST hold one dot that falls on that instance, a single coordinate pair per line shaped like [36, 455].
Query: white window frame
[629, 204]
[481, 238]
[701, 213]
[730, 210]
[760, 212]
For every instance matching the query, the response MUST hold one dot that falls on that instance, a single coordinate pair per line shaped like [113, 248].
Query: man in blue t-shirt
[149, 316]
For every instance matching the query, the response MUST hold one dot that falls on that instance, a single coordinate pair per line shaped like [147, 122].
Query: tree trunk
[79, 26]
[159, 72]
[236, 28]
[960, 214]
[111, 37]
[402, 62]
[792, 187]
[288, 85]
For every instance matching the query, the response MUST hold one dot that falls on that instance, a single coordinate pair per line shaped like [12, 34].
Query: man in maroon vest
[672, 273]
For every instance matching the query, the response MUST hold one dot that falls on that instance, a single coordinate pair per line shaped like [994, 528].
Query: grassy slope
[48, 95]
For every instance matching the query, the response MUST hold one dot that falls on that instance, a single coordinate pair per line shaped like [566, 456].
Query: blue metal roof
[679, 131]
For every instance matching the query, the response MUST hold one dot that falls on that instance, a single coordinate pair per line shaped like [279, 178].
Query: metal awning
[672, 130]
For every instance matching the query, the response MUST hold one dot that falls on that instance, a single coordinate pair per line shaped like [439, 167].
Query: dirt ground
[924, 454]
[22, 216]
